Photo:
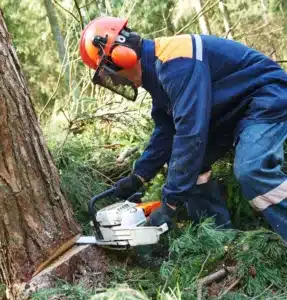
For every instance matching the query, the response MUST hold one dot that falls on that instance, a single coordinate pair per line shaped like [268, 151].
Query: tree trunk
[35, 218]
[58, 37]
[226, 19]
[265, 11]
[203, 21]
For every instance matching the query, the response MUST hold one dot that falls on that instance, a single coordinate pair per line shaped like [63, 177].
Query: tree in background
[58, 38]
[226, 18]
[203, 20]
[35, 217]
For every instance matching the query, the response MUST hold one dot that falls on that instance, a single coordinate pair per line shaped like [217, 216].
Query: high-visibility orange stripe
[167, 48]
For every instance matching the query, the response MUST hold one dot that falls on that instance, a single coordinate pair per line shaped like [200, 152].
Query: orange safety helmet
[101, 42]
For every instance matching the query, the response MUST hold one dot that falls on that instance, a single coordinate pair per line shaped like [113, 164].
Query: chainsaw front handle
[92, 210]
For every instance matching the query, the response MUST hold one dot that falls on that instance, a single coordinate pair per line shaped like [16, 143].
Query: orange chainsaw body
[149, 207]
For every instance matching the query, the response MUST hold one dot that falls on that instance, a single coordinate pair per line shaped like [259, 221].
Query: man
[209, 94]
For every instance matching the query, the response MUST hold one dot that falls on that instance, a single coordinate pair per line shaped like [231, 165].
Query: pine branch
[268, 288]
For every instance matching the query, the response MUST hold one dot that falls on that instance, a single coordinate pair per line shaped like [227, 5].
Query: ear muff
[124, 57]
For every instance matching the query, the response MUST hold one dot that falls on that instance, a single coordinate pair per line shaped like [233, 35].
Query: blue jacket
[202, 86]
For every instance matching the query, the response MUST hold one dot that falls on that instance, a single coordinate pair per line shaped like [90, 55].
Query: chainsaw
[122, 225]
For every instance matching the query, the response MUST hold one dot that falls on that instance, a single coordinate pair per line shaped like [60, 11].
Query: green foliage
[64, 291]
[153, 191]
[2, 290]
[202, 249]
[278, 6]
[194, 254]
[265, 253]
[242, 215]
[33, 43]
[137, 278]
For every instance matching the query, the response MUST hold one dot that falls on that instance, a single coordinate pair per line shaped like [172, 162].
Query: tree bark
[203, 21]
[226, 18]
[35, 218]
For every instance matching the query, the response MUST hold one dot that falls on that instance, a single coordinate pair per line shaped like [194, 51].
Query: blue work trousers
[259, 156]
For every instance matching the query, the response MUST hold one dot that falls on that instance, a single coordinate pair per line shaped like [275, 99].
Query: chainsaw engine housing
[124, 214]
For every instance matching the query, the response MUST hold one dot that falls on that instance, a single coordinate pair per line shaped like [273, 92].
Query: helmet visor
[109, 79]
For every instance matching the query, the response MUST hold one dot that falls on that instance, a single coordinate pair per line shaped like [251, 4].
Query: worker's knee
[203, 178]
[244, 172]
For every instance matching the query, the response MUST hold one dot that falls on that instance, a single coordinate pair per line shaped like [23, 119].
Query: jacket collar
[149, 78]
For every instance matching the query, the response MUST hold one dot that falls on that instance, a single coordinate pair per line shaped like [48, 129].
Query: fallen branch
[102, 115]
[232, 285]
[125, 154]
[213, 277]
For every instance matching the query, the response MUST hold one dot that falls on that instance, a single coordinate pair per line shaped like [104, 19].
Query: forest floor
[192, 262]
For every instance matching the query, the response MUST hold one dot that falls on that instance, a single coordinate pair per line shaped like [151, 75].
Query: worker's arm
[187, 84]
[158, 151]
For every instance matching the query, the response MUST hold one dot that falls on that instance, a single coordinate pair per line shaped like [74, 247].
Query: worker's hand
[127, 186]
[163, 214]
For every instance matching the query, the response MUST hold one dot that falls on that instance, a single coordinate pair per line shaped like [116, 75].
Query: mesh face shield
[109, 79]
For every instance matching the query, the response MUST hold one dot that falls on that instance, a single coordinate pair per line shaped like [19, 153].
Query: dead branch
[86, 5]
[66, 10]
[200, 13]
[252, 31]
[79, 12]
[234, 26]
[250, 34]
[102, 115]
[232, 285]
[213, 277]
[125, 154]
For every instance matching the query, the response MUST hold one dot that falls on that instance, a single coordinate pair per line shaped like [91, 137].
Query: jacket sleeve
[187, 84]
[158, 151]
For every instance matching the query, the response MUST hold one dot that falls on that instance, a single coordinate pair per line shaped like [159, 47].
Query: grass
[2, 290]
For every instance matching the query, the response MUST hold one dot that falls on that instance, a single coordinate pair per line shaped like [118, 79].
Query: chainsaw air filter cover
[124, 214]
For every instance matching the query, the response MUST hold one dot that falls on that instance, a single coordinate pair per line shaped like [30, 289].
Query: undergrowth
[195, 251]
[170, 270]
